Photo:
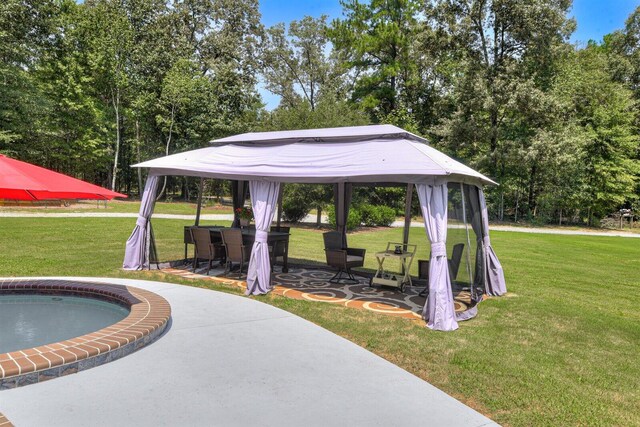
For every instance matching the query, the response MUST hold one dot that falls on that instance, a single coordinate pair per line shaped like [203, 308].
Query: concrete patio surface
[227, 360]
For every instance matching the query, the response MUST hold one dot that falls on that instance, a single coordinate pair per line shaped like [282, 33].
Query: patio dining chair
[454, 266]
[341, 258]
[236, 251]
[278, 249]
[206, 247]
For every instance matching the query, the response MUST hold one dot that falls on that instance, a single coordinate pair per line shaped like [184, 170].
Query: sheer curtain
[439, 311]
[264, 198]
[495, 276]
[136, 253]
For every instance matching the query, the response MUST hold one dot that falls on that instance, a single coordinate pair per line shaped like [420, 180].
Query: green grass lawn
[562, 348]
[120, 206]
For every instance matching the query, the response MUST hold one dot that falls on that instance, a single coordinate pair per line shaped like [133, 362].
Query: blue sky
[599, 17]
[595, 18]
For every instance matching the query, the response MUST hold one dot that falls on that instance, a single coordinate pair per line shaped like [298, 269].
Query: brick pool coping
[4, 422]
[149, 317]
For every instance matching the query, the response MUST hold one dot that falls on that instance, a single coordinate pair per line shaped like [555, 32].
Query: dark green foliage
[393, 197]
[299, 199]
[90, 88]
[294, 209]
[376, 40]
[372, 216]
[354, 220]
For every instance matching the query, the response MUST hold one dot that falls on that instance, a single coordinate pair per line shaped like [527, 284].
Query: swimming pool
[70, 326]
[33, 320]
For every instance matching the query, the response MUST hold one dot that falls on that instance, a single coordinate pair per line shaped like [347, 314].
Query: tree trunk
[532, 195]
[493, 143]
[140, 187]
[116, 106]
[560, 219]
[319, 216]
[392, 101]
[166, 150]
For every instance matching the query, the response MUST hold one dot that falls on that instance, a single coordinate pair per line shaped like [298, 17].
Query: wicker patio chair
[207, 247]
[454, 266]
[237, 252]
[278, 249]
[342, 259]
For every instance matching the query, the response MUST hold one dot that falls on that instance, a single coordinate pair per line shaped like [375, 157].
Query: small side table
[405, 258]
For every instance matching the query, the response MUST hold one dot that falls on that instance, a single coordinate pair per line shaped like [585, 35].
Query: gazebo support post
[407, 218]
[238, 195]
[279, 205]
[407, 215]
[342, 200]
[200, 189]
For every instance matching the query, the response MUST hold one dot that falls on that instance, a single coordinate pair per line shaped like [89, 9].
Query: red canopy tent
[24, 181]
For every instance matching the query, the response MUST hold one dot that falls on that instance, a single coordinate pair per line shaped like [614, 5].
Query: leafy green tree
[73, 128]
[375, 40]
[626, 44]
[109, 38]
[506, 55]
[222, 37]
[605, 110]
[154, 50]
[297, 65]
[25, 26]
[623, 49]
[181, 87]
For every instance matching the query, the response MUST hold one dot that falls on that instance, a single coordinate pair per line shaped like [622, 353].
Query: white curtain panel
[439, 310]
[136, 254]
[495, 283]
[264, 199]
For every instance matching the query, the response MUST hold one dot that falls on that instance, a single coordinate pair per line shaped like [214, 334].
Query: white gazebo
[370, 155]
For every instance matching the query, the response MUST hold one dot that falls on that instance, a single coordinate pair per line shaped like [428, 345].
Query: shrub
[368, 213]
[294, 210]
[353, 220]
[377, 215]
[386, 216]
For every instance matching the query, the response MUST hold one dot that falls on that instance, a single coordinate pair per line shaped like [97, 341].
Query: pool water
[28, 321]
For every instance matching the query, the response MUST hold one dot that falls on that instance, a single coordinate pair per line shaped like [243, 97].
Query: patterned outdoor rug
[313, 285]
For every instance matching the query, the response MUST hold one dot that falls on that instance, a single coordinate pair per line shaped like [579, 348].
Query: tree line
[91, 88]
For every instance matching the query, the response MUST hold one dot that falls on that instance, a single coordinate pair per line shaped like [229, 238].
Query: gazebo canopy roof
[359, 154]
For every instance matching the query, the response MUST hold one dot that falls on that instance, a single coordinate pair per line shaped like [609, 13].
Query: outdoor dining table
[277, 240]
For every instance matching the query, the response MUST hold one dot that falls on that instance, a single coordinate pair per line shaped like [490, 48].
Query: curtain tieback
[142, 221]
[261, 236]
[486, 241]
[438, 249]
